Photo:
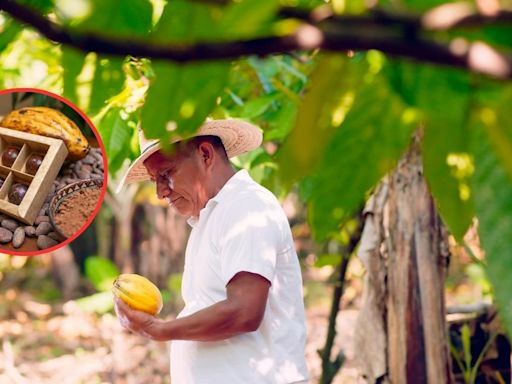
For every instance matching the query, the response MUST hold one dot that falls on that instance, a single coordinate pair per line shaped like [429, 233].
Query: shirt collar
[223, 194]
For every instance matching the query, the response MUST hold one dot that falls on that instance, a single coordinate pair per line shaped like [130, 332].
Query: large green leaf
[120, 18]
[493, 191]
[72, 62]
[248, 18]
[108, 81]
[443, 96]
[373, 136]
[334, 83]
[186, 22]
[446, 159]
[41, 5]
[116, 129]
[422, 5]
[495, 116]
[9, 31]
[181, 97]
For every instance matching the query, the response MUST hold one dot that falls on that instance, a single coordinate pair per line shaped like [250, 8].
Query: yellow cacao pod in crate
[138, 292]
[49, 122]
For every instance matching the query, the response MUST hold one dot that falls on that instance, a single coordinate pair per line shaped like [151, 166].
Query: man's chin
[179, 210]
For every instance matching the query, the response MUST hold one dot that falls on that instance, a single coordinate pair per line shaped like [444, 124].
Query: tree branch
[372, 32]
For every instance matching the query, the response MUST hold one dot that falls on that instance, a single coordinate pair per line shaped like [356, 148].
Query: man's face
[178, 179]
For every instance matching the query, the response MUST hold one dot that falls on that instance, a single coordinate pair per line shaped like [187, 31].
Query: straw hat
[237, 137]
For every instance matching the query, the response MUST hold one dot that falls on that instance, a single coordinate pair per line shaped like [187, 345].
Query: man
[243, 320]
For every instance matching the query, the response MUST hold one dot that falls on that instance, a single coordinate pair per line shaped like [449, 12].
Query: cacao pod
[138, 292]
[49, 122]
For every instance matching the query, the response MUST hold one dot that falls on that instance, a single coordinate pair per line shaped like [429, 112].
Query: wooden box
[39, 184]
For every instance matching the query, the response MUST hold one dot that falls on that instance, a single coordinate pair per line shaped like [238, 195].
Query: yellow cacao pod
[138, 292]
[49, 122]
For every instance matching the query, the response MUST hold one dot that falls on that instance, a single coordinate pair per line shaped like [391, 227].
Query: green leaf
[9, 32]
[443, 96]
[118, 18]
[108, 81]
[373, 136]
[248, 18]
[495, 116]
[328, 259]
[181, 97]
[447, 162]
[101, 272]
[41, 5]
[258, 106]
[265, 70]
[333, 87]
[282, 122]
[422, 5]
[116, 130]
[466, 345]
[72, 62]
[186, 22]
[493, 190]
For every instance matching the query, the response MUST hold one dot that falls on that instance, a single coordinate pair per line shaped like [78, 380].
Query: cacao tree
[338, 88]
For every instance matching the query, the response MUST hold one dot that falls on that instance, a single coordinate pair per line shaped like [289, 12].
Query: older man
[243, 320]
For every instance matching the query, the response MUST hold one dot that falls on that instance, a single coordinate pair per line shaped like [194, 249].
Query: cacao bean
[5, 235]
[30, 231]
[89, 159]
[44, 242]
[10, 224]
[54, 235]
[41, 219]
[19, 237]
[43, 228]
[83, 175]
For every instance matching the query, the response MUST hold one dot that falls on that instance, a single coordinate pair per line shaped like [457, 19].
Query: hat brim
[237, 137]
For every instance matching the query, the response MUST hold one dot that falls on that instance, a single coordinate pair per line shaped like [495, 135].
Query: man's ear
[206, 153]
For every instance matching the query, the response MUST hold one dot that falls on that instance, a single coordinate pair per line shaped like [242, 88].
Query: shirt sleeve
[249, 239]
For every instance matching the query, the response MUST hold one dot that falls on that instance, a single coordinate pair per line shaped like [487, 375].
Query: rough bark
[406, 261]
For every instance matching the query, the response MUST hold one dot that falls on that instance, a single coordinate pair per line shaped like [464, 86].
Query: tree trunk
[404, 252]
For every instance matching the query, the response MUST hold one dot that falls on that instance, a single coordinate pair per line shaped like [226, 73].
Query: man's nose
[162, 188]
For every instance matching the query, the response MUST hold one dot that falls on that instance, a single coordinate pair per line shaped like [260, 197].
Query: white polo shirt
[243, 228]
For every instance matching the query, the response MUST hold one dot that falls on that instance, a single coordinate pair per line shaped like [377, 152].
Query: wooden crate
[39, 185]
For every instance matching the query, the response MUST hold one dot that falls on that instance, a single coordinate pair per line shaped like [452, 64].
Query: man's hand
[136, 321]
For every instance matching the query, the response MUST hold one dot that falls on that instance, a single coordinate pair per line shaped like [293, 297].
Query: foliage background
[335, 120]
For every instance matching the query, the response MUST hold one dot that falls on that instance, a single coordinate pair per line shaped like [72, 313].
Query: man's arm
[242, 311]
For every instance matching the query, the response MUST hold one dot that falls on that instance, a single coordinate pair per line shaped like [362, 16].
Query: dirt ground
[41, 348]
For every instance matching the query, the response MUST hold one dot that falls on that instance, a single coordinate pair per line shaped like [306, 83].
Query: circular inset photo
[53, 171]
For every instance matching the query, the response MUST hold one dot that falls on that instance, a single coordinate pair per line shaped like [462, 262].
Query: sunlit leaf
[422, 5]
[494, 114]
[248, 18]
[493, 203]
[108, 81]
[184, 21]
[116, 130]
[118, 17]
[101, 272]
[328, 259]
[9, 31]
[181, 97]
[72, 62]
[328, 99]
[447, 162]
[373, 136]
